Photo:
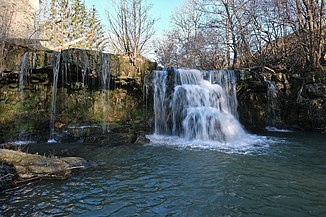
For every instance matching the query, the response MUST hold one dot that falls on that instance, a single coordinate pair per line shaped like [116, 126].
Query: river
[284, 178]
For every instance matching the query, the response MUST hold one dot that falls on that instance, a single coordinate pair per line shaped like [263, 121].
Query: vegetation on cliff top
[212, 34]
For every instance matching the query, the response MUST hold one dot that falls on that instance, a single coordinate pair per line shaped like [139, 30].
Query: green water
[285, 178]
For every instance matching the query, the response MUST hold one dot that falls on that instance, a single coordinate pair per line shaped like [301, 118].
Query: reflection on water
[288, 179]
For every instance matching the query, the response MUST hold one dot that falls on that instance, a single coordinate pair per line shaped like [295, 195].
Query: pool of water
[284, 178]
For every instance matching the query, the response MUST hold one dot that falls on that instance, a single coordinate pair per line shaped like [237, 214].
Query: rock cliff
[93, 89]
[281, 99]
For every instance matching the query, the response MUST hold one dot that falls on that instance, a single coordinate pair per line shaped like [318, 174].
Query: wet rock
[141, 140]
[300, 102]
[116, 139]
[82, 131]
[77, 162]
[7, 176]
[315, 90]
[33, 165]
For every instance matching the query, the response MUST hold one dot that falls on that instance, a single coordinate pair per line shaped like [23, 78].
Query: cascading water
[197, 107]
[23, 72]
[105, 81]
[105, 73]
[56, 69]
[160, 103]
[271, 106]
[274, 120]
[85, 64]
[146, 87]
[227, 80]
[24, 138]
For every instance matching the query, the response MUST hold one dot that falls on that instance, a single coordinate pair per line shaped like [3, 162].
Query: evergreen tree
[79, 20]
[95, 27]
[63, 22]
[68, 20]
[47, 22]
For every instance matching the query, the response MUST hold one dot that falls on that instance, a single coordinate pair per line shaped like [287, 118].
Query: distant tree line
[244, 33]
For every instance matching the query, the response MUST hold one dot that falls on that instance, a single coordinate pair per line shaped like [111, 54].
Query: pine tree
[79, 17]
[47, 24]
[64, 22]
[68, 20]
[95, 27]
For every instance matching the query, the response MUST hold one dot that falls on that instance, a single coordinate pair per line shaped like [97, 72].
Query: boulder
[142, 140]
[82, 131]
[36, 166]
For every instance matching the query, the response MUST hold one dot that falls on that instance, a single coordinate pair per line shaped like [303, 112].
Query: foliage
[241, 33]
[67, 20]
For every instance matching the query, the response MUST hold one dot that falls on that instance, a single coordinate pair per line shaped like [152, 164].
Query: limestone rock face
[84, 106]
[282, 100]
[18, 18]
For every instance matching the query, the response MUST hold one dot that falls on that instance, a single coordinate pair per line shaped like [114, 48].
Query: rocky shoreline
[17, 166]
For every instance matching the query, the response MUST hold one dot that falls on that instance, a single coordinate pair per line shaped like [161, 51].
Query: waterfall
[105, 74]
[23, 71]
[160, 108]
[227, 80]
[197, 105]
[24, 137]
[56, 69]
[85, 64]
[146, 88]
[272, 98]
[274, 120]
[105, 83]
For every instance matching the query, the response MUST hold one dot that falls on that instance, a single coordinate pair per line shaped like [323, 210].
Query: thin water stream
[53, 108]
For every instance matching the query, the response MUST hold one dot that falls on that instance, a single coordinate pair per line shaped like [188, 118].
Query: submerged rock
[7, 176]
[142, 140]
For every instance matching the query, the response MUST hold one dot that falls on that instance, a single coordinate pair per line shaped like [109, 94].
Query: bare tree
[246, 33]
[5, 23]
[130, 28]
[226, 17]
[190, 43]
[310, 27]
[167, 49]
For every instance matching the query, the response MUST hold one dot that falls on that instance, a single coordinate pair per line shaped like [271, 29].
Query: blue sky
[161, 10]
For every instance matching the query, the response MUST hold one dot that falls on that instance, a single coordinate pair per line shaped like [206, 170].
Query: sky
[161, 10]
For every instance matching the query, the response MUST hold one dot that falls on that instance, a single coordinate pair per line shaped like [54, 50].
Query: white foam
[52, 141]
[246, 145]
[83, 126]
[274, 129]
[22, 142]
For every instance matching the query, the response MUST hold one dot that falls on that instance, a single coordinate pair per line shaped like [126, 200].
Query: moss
[77, 102]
